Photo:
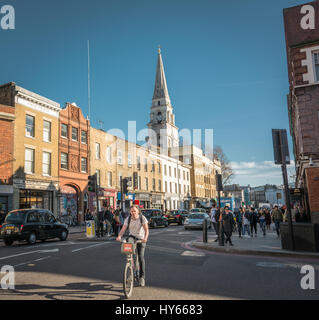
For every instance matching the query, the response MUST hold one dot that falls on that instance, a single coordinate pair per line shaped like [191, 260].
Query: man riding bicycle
[137, 225]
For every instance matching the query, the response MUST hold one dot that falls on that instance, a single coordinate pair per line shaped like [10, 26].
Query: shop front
[69, 202]
[6, 198]
[106, 198]
[144, 199]
[129, 199]
[157, 201]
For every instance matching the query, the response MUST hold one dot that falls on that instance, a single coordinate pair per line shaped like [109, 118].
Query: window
[179, 174]
[97, 151]
[187, 176]
[159, 167]
[29, 126]
[175, 172]
[84, 137]
[119, 157]
[129, 160]
[165, 169]
[316, 65]
[153, 185]
[46, 163]
[146, 184]
[74, 134]
[139, 183]
[64, 131]
[46, 131]
[138, 163]
[153, 166]
[64, 161]
[145, 165]
[170, 187]
[109, 154]
[184, 175]
[29, 161]
[166, 186]
[159, 185]
[83, 165]
[169, 171]
[109, 179]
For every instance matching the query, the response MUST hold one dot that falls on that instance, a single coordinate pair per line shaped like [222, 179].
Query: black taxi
[32, 225]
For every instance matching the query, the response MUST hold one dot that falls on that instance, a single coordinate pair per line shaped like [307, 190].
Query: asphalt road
[93, 270]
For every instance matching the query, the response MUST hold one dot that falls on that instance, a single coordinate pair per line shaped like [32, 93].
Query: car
[155, 218]
[31, 225]
[196, 220]
[197, 210]
[177, 216]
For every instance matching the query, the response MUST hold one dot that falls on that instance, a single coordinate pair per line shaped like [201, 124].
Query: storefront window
[36, 199]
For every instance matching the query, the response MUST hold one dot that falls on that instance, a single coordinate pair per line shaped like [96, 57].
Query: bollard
[205, 231]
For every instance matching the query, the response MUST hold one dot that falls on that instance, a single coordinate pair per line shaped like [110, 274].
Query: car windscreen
[147, 213]
[197, 216]
[16, 216]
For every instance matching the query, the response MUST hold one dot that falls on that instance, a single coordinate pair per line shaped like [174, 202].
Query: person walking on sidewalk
[268, 219]
[100, 223]
[213, 218]
[108, 216]
[228, 224]
[253, 221]
[239, 221]
[246, 223]
[262, 220]
[277, 218]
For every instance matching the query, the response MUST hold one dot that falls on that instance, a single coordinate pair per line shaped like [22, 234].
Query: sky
[225, 65]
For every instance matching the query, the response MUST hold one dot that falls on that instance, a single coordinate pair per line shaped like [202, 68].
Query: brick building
[35, 148]
[7, 117]
[302, 42]
[74, 161]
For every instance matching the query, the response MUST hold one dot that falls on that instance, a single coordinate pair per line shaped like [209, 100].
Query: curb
[200, 245]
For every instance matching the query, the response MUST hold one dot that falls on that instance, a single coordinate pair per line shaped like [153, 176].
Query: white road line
[95, 245]
[193, 254]
[24, 263]
[30, 252]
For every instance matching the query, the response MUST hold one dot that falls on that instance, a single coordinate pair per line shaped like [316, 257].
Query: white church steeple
[162, 118]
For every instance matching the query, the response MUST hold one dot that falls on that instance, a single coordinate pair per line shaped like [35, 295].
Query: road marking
[28, 262]
[283, 265]
[193, 254]
[30, 252]
[95, 245]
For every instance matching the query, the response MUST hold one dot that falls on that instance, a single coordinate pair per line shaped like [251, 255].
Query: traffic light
[92, 183]
[219, 183]
[125, 186]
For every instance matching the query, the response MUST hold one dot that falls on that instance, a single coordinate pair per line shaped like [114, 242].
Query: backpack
[129, 220]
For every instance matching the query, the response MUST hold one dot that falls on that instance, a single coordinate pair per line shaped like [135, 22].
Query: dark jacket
[228, 222]
[108, 215]
[253, 217]
[101, 216]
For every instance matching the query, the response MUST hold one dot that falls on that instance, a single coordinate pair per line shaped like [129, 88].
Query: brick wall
[312, 178]
[6, 144]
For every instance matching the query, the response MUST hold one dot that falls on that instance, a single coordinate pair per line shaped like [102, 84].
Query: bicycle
[132, 267]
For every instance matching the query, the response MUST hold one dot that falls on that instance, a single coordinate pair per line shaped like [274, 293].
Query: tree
[226, 169]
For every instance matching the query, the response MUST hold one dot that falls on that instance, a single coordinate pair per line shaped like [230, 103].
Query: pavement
[269, 245]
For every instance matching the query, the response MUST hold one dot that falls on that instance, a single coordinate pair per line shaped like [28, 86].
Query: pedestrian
[100, 224]
[117, 222]
[277, 218]
[108, 218]
[213, 219]
[262, 220]
[246, 223]
[228, 224]
[239, 221]
[268, 219]
[253, 222]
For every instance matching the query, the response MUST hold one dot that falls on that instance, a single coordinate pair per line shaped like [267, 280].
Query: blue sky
[225, 64]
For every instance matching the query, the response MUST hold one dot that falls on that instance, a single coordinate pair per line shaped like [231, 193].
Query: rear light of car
[21, 227]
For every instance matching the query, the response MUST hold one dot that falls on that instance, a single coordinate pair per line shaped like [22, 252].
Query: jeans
[263, 226]
[253, 226]
[100, 227]
[277, 224]
[240, 228]
[108, 226]
[140, 248]
[215, 228]
[246, 228]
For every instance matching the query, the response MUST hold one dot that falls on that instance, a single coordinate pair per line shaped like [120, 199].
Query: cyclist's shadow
[73, 290]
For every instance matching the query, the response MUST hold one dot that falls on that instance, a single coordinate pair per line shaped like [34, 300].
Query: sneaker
[142, 282]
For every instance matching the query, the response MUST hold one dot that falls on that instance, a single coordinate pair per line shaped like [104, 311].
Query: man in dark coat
[228, 224]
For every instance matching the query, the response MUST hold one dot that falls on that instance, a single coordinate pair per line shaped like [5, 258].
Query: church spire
[160, 90]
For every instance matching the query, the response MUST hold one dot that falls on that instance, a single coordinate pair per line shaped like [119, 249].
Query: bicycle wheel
[128, 281]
